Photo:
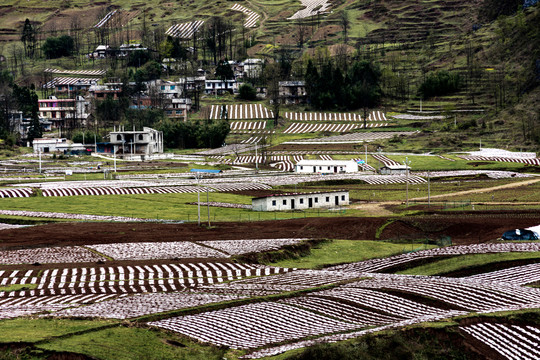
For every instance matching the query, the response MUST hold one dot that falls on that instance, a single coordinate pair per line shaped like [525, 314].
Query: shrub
[55, 47]
[440, 83]
[247, 92]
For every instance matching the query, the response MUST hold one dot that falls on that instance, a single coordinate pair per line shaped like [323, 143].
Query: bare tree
[272, 75]
[345, 24]
[301, 33]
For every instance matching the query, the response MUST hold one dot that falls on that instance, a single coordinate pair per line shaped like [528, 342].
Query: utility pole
[365, 147]
[208, 206]
[39, 150]
[407, 162]
[198, 201]
[428, 189]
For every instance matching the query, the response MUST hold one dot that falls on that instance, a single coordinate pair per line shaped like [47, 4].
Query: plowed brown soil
[461, 228]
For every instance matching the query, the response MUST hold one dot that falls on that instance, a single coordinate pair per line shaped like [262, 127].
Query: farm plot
[339, 310]
[492, 174]
[463, 293]
[68, 81]
[385, 160]
[352, 138]
[15, 193]
[377, 116]
[153, 250]
[238, 247]
[54, 215]
[253, 140]
[374, 265]
[241, 112]
[133, 279]
[238, 187]
[284, 163]
[303, 128]
[322, 116]
[61, 254]
[529, 161]
[381, 302]
[516, 342]
[519, 275]
[250, 126]
[254, 325]
[14, 307]
[252, 16]
[144, 304]
[313, 7]
[96, 191]
[105, 19]
[76, 72]
[184, 30]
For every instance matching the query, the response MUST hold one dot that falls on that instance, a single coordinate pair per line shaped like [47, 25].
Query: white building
[326, 166]
[301, 201]
[219, 87]
[252, 68]
[393, 169]
[49, 145]
[137, 144]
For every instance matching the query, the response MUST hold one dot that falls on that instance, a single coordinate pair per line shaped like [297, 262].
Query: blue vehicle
[520, 234]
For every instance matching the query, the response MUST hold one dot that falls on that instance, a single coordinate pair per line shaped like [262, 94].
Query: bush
[440, 83]
[189, 135]
[247, 92]
[86, 137]
[55, 47]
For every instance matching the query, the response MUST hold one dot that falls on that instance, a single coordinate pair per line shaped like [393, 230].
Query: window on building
[301, 201]
[320, 167]
[163, 87]
[274, 202]
[328, 199]
[285, 202]
[329, 168]
[316, 200]
[141, 137]
[301, 168]
[173, 87]
[118, 137]
[342, 197]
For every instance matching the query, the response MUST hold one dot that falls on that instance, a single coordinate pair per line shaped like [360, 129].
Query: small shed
[326, 166]
[394, 169]
[301, 201]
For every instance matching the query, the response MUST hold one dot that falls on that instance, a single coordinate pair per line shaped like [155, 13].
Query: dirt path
[376, 209]
[477, 191]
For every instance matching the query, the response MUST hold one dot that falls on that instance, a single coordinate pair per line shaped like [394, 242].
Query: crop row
[184, 30]
[247, 125]
[464, 293]
[493, 174]
[354, 138]
[252, 16]
[55, 215]
[144, 304]
[374, 265]
[530, 161]
[312, 8]
[519, 275]
[253, 325]
[132, 279]
[385, 160]
[106, 18]
[515, 342]
[241, 111]
[302, 128]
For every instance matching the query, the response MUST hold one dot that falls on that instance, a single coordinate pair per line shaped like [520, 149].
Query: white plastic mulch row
[312, 8]
[374, 265]
[144, 304]
[184, 30]
[514, 342]
[15, 307]
[237, 247]
[239, 187]
[377, 116]
[133, 279]
[55, 215]
[152, 250]
[76, 72]
[105, 19]
[253, 325]
[519, 275]
[241, 111]
[247, 125]
[465, 293]
[96, 191]
[322, 116]
[364, 166]
[491, 152]
[302, 128]
[493, 174]
[68, 81]
[530, 161]
[385, 160]
[345, 312]
[353, 138]
[253, 140]
[15, 193]
[252, 16]
[64, 254]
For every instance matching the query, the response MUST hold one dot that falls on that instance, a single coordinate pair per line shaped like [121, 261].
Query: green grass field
[345, 251]
[466, 261]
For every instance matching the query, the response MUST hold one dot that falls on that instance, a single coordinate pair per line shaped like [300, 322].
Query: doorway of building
[337, 200]
[310, 202]
[292, 204]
